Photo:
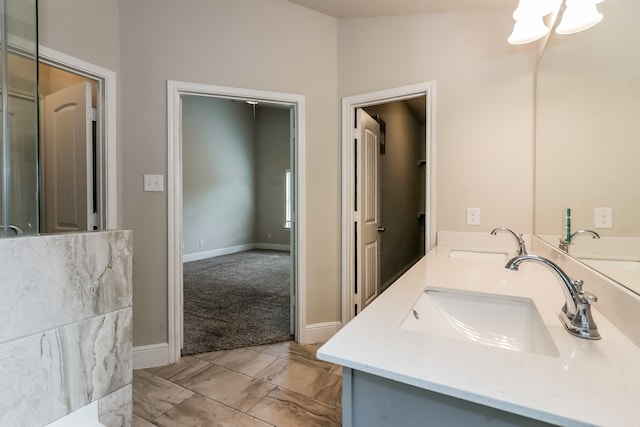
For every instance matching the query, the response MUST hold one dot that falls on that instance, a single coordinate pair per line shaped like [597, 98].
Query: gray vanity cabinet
[372, 401]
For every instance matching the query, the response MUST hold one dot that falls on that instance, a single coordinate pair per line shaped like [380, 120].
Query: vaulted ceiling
[370, 8]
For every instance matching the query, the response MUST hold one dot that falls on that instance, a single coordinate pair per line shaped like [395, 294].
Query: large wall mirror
[588, 141]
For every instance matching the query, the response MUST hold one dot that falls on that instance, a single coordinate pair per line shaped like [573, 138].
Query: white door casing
[349, 106]
[106, 128]
[66, 143]
[175, 90]
[368, 212]
[292, 230]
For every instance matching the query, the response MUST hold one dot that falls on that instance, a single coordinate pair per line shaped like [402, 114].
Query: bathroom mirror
[19, 119]
[588, 141]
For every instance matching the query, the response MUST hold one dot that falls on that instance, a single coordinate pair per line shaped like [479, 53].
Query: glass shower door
[19, 204]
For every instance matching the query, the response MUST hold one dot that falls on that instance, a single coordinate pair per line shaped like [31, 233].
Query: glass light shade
[535, 8]
[578, 16]
[545, 7]
[527, 30]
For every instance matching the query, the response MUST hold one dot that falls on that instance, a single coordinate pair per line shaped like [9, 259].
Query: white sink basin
[478, 255]
[506, 322]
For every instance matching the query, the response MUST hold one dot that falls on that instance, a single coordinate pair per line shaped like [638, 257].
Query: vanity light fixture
[579, 15]
[528, 30]
[529, 24]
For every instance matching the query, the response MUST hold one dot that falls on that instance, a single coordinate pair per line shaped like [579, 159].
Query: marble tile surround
[50, 281]
[65, 339]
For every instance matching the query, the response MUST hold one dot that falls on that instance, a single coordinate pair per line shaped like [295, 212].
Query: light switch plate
[153, 182]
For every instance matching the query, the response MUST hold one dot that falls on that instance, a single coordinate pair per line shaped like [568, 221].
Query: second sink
[478, 255]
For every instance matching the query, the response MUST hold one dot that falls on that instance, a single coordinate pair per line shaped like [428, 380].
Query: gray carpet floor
[236, 300]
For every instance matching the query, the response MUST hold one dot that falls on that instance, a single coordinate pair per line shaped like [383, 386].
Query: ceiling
[370, 8]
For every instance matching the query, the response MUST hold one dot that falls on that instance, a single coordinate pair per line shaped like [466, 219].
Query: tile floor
[280, 384]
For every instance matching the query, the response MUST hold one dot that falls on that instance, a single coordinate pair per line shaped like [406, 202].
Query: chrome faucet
[564, 244]
[14, 228]
[522, 250]
[576, 312]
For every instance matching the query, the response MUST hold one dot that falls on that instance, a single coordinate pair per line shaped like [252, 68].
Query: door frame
[176, 89]
[349, 216]
[106, 128]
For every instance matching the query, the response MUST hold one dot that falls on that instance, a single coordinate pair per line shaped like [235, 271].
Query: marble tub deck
[281, 384]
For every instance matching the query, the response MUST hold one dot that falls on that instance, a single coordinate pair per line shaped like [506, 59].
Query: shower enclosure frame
[19, 67]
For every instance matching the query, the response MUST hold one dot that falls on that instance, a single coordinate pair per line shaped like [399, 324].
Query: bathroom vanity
[460, 340]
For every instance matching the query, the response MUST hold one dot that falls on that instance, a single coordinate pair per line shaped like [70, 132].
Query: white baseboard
[319, 332]
[86, 416]
[216, 252]
[232, 250]
[150, 356]
[273, 247]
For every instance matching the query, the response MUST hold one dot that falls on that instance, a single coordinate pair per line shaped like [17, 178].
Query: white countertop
[590, 383]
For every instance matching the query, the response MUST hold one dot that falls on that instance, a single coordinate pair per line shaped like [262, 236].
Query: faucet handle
[585, 297]
[589, 297]
[577, 284]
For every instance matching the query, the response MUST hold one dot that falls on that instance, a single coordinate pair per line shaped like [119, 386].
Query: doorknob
[380, 229]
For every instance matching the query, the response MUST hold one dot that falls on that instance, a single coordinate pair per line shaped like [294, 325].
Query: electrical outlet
[201, 242]
[604, 217]
[473, 216]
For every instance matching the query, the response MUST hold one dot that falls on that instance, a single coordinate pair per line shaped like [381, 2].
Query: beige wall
[258, 44]
[85, 30]
[484, 105]
[484, 109]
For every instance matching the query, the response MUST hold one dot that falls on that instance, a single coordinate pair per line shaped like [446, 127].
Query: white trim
[108, 79]
[321, 332]
[150, 356]
[175, 89]
[273, 247]
[349, 104]
[197, 256]
[86, 416]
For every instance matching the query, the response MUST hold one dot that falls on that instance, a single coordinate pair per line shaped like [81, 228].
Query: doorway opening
[77, 159]
[236, 204]
[371, 125]
[185, 236]
[69, 195]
